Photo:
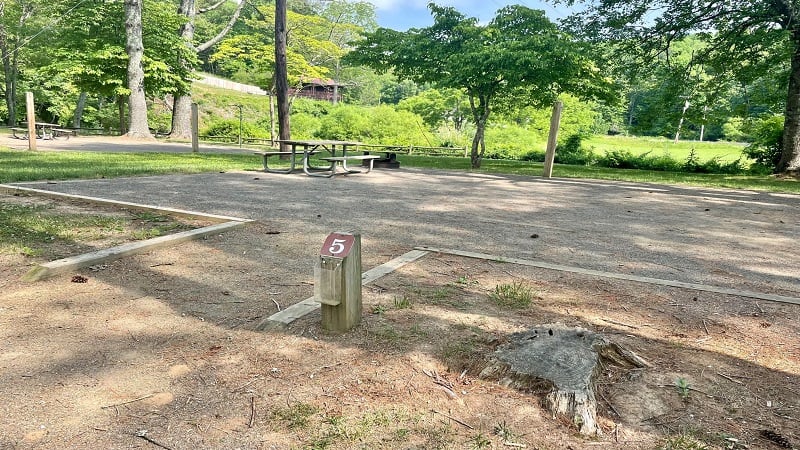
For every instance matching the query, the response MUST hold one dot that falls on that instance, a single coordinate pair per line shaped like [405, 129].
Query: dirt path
[164, 341]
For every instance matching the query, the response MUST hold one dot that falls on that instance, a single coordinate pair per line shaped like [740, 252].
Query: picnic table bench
[59, 132]
[22, 131]
[342, 160]
[338, 151]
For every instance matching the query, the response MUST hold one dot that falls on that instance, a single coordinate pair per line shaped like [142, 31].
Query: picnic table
[44, 130]
[305, 149]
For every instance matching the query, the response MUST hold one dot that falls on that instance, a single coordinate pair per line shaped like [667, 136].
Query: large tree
[745, 38]
[520, 57]
[182, 100]
[134, 47]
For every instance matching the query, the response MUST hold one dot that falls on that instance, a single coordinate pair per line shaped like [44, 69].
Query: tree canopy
[744, 38]
[520, 56]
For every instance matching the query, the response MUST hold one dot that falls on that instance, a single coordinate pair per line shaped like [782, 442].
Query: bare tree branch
[213, 41]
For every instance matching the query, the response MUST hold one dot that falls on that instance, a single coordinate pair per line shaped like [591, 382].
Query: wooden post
[552, 139]
[31, 113]
[338, 282]
[195, 130]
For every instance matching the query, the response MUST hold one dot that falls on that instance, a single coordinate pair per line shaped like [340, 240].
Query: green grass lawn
[755, 182]
[36, 166]
[726, 151]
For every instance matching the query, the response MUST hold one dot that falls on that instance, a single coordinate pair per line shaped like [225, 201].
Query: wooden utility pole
[281, 72]
[31, 113]
[552, 140]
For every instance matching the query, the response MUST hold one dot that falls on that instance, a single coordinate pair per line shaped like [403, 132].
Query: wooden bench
[58, 132]
[342, 160]
[15, 130]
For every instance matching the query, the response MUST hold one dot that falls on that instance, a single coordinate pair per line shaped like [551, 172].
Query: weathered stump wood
[563, 363]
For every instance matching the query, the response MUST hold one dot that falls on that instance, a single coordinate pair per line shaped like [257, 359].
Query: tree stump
[563, 363]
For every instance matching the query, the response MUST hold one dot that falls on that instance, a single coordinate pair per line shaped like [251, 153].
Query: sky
[404, 14]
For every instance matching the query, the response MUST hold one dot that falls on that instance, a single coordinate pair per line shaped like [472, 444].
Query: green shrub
[304, 126]
[767, 144]
[377, 125]
[315, 108]
[572, 152]
[623, 159]
[230, 128]
[509, 141]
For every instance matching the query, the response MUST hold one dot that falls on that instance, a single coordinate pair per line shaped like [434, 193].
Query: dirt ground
[162, 350]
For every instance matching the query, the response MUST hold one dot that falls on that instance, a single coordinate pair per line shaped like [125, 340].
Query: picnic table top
[315, 142]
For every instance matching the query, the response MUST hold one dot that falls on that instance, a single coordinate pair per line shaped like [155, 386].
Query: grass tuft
[515, 295]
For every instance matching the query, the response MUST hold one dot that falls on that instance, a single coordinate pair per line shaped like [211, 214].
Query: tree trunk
[790, 154]
[78, 117]
[567, 364]
[123, 122]
[10, 75]
[680, 123]
[281, 74]
[480, 114]
[271, 119]
[182, 101]
[134, 47]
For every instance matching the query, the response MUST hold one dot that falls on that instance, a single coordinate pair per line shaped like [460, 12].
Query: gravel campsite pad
[164, 349]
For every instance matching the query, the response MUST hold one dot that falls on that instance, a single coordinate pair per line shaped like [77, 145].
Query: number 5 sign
[338, 245]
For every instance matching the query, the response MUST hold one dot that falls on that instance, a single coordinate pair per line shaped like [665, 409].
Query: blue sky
[404, 14]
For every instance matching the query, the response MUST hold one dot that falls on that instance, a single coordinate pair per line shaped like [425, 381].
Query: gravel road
[733, 239]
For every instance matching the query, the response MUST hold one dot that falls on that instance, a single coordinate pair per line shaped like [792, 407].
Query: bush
[230, 128]
[304, 126]
[508, 141]
[572, 152]
[767, 144]
[624, 159]
[378, 125]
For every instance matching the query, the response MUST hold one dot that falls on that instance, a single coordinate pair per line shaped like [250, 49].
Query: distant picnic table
[44, 130]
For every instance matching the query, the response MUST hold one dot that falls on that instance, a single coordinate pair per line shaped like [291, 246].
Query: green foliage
[572, 152]
[683, 388]
[624, 159]
[520, 46]
[297, 415]
[304, 126]
[25, 229]
[438, 107]
[720, 61]
[230, 128]
[26, 166]
[683, 442]
[734, 130]
[579, 117]
[509, 141]
[375, 125]
[480, 442]
[403, 302]
[515, 295]
[767, 143]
